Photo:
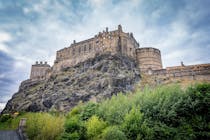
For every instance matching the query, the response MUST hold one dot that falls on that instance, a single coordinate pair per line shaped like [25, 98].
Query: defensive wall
[200, 72]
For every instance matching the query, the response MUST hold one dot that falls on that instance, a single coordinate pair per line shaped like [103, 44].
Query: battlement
[200, 72]
[39, 70]
[41, 64]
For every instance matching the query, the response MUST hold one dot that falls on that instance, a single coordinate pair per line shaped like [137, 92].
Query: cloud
[4, 37]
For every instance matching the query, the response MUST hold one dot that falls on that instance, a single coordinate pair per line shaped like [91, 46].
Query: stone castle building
[117, 42]
[39, 70]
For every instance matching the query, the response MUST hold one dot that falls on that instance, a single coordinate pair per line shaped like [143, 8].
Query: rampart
[190, 72]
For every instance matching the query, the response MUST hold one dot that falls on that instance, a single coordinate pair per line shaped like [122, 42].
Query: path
[9, 135]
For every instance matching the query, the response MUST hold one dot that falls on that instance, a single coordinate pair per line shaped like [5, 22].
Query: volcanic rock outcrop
[94, 79]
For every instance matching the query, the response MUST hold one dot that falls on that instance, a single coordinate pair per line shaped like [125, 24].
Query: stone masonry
[39, 71]
[113, 42]
[117, 42]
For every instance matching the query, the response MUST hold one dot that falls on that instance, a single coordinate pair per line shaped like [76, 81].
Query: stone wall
[199, 72]
[148, 58]
[112, 42]
[39, 71]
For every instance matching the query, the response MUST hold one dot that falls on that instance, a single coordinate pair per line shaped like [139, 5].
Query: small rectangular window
[89, 47]
[85, 48]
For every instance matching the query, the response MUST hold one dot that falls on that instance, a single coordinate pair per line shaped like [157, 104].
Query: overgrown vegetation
[167, 112]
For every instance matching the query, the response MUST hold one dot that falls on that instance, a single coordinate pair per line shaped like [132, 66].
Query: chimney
[182, 64]
[40, 62]
[131, 34]
[119, 28]
[45, 62]
[36, 62]
[74, 41]
[107, 30]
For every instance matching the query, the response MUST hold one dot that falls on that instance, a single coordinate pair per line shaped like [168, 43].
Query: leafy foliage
[5, 117]
[166, 112]
[113, 133]
[114, 110]
[94, 127]
[44, 126]
[88, 110]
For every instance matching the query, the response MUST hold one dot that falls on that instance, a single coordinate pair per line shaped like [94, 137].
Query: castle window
[89, 47]
[130, 49]
[85, 48]
[73, 52]
[79, 50]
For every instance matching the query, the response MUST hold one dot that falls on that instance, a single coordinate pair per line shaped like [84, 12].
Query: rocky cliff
[94, 79]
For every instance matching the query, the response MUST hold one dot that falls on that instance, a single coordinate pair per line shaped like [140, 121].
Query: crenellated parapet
[39, 70]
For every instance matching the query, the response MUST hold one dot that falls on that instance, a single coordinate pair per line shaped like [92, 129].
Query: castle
[118, 42]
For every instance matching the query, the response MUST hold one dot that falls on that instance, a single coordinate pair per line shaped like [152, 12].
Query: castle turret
[39, 70]
[148, 59]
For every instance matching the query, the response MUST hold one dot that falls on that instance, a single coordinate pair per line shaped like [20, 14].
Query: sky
[34, 30]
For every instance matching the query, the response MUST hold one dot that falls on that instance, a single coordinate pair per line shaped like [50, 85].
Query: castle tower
[39, 70]
[148, 59]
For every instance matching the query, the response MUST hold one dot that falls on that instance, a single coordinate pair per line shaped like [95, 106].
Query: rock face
[94, 79]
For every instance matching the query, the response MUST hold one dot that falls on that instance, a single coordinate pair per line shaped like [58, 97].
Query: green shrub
[132, 123]
[44, 126]
[88, 110]
[72, 124]
[94, 127]
[114, 109]
[70, 136]
[74, 128]
[75, 111]
[5, 117]
[113, 133]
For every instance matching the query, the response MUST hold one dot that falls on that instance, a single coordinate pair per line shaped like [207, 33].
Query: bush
[94, 127]
[132, 124]
[44, 126]
[114, 109]
[70, 136]
[88, 110]
[74, 128]
[75, 111]
[5, 117]
[113, 133]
